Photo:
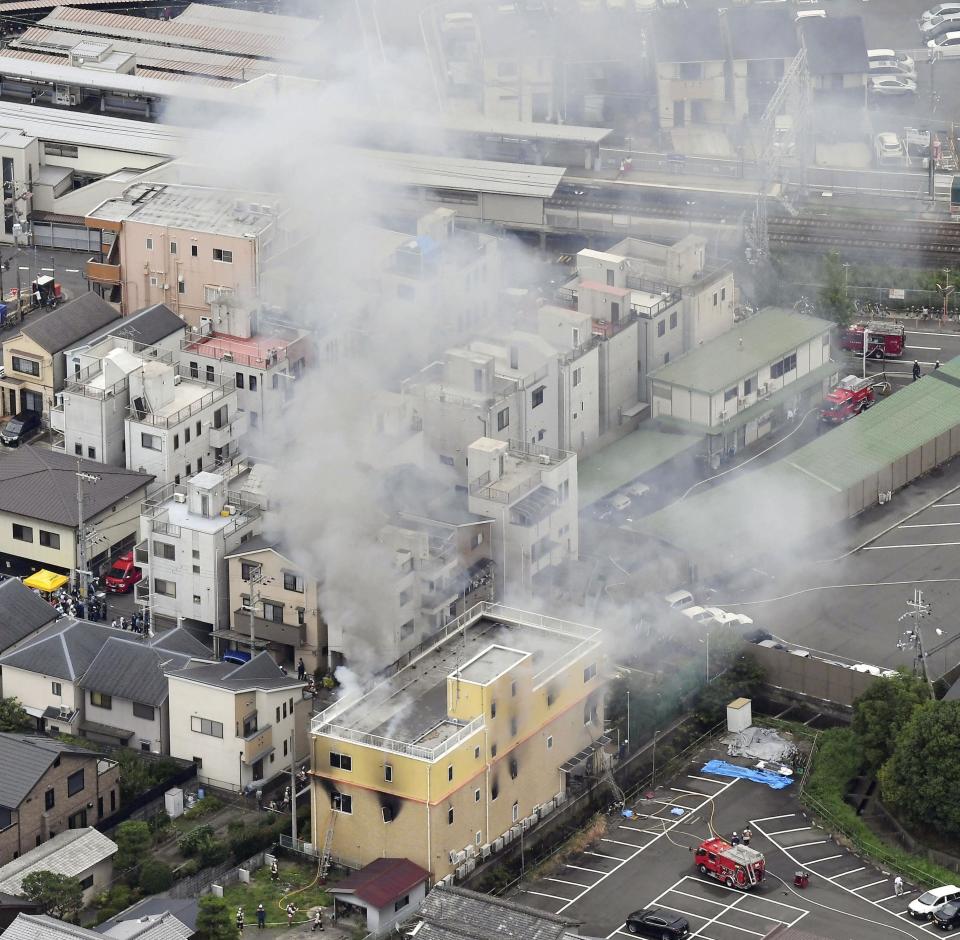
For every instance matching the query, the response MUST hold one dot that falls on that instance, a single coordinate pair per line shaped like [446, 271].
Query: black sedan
[948, 917]
[658, 923]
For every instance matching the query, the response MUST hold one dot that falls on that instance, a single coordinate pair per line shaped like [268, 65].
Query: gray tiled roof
[762, 33]
[683, 35]
[21, 612]
[63, 650]
[25, 759]
[181, 640]
[66, 326]
[146, 327]
[259, 543]
[261, 672]
[68, 853]
[184, 909]
[40, 484]
[163, 926]
[129, 669]
[44, 927]
[835, 45]
[449, 913]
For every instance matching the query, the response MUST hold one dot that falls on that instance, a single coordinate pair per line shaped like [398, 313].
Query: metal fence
[193, 886]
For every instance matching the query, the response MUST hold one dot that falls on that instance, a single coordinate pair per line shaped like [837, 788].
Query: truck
[123, 575]
[736, 866]
[886, 340]
[851, 396]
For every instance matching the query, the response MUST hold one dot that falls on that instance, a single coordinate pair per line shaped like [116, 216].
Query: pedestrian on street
[747, 835]
[274, 870]
[898, 886]
[301, 670]
[259, 799]
[916, 369]
[736, 838]
[291, 910]
[317, 920]
[936, 365]
[114, 624]
[261, 917]
[240, 919]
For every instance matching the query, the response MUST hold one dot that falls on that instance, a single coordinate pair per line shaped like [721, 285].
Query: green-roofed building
[838, 475]
[741, 385]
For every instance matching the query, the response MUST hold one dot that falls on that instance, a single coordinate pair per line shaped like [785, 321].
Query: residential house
[388, 890]
[184, 909]
[163, 926]
[464, 748]
[238, 723]
[33, 362]
[763, 42]
[836, 50]
[22, 613]
[49, 787]
[40, 511]
[530, 493]
[187, 260]
[742, 385]
[691, 68]
[82, 853]
[187, 531]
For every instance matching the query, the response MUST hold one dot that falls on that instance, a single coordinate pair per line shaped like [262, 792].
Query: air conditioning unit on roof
[179, 497]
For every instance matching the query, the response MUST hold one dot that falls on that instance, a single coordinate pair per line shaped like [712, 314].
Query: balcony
[289, 634]
[226, 434]
[57, 419]
[102, 273]
[258, 744]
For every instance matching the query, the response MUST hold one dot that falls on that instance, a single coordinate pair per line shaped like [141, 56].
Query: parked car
[941, 9]
[927, 905]
[888, 85]
[678, 600]
[948, 917]
[19, 428]
[698, 614]
[938, 24]
[636, 490]
[620, 502]
[664, 925]
[237, 657]
[809, 14]
[947, 45]
[725, 618]
[867, 669]
[889, 152]
[891, 55]
[123, 575]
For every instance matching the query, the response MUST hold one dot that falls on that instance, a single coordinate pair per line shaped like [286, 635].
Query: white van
[809, 14]
[698, 614]
[678, 600]
[925, 906]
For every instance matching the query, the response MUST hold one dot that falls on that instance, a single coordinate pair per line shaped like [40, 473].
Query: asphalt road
[646, 861]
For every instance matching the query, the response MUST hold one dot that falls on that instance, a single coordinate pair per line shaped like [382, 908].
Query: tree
[155, 876]
[920, 779]
[13, 717]
[133, 841]
[57, 895]
[834, 302]
[135, 775]
[214, 920]
[882, 711]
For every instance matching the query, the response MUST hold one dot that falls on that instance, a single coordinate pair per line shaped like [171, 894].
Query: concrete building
[33, 362]
[184, 246]
[742, 385]
[530, 493]
[40, 514]
[463, 749]
[45, 790]
[186, 532]
[238, 723]
[836, 59]
[763, 42]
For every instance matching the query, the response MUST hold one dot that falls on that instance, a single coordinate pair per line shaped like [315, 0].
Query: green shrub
[158, 823]
[192, 843]
[209, 804]
[189, 867]
[253, 840]
[155, 876]
[213, 853]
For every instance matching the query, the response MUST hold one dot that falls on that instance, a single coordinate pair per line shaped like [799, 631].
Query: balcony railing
[221, 389]
[103, 273]
[400, 747]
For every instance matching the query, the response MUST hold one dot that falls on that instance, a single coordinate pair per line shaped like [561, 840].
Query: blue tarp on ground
[722, 769]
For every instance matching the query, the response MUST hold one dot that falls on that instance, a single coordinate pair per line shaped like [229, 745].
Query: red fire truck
[849, 398]
[737, 866]
[886, 340]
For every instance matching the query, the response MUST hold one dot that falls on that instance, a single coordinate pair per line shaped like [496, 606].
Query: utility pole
[81, 559]
[293, 780]
[256, 579]
[912, 637]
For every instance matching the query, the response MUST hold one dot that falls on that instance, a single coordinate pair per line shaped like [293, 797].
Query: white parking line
[770, 818]
[876, 548]
[781, 832]
[649, 832]
[890, 897]
[826, 858]
[614, 858]
[926, 525]
[742, 910]
[704, 779]
[595, 871]
[560, 881]
[945, 506]
[925, 925]
[540, 894]
[629, 845]
[852, 871]
[936, 348]
[872, 883]
[803, 845]
[688, 792]
[712, 920]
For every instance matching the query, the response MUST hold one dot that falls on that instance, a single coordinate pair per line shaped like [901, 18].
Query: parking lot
[646, 862]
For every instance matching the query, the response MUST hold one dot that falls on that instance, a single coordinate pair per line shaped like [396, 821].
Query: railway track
[911, 236]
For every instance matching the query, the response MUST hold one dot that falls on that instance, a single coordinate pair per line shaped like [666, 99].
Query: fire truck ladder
[326, 853]
[751, 874]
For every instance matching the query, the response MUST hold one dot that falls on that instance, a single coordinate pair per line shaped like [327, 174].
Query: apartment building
[238, 724]
[530, 493]
[186, 532]
[181, 422]
[184, 246]
[463, 749]
[33, 363]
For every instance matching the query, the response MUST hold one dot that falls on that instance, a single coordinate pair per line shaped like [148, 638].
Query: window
[400, 904]
[589, 713]
[673, 320]
[779, 369]
[513, 689]
[56, 688]
[211, 375]
[173, 248]
[513, 727]
[341, 803]
[293, 582]
[278, 714]
[49, 799]
[206, 726]
[406, 629]
[493, 750]
[515, 812]
[78, 449]
[476, 752]
[26, 366]
[714, 298]
[61, 150]
[193, 251]
[143, 711]
[449, 815]
[691, 71]
[388, 773]
[210, 378]
[730, 393]
[493, 709]
[577, 377]
[450, 772]
[164, 550]
[514, 768]
[176, 441]
[248, 570]
[150, 441]
[549, 742]
[222, 254]
[503, 419]
[149, 244]
[239, 379]
[101, 700]
[194, 374]
[75, 782]
[661, 328]
[22, 533]
[748, 386]
[589, 672]
[166, 588]
[723, 293]
[273, 612]
[536, 397]
[49, 539]
[189, 470]
[447, 461]
[181, 286]
[253, 383]
[476, 795]
[283, 709]
[6, 818]
[341, 761]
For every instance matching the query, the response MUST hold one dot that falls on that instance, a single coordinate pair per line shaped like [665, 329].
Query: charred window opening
[514, 768]
[494, 790]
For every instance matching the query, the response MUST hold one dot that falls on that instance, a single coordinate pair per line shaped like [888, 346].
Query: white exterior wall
[709, 89]
[580, 403]
[98, 424]
[120, 715]
[209, 585]
[37, 690]
[25, 153]
[708, 311]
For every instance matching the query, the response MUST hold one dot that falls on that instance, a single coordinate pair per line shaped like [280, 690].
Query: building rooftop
[683, 35]
[383, 881]
[494, 661]
[64, 649]
[743, 350]
[184, 909]
[144, 328]
[67, 325]
[762, 33]
[260, 351]
[128, 669]
[68, 853]
[190, 207]
[408, 711]
[25, 759]
[835, 45]
[162, 926]
[261, 672]
[21, 612]
[44, 927]
[523, 470]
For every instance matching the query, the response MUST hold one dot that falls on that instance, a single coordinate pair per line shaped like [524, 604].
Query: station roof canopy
[482, 176]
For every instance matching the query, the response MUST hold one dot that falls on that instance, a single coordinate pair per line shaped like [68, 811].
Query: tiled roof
[63, 650]
[69, 853]
[146, 327]
[164, 926]
[21, 612]
[184, 909]
[261, 672]
[383, 881]
[70, 323]
[44, 927]
[181, 640]
[835, 45]
[128, 669]
[25, 758]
